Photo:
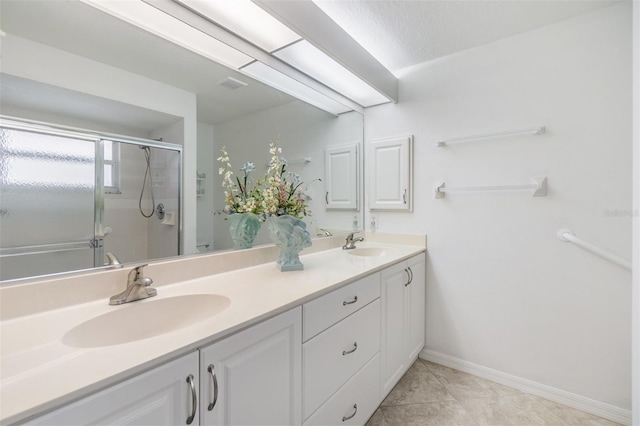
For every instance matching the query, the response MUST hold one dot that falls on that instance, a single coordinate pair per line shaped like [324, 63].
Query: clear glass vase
[290, 235]
[243, 228]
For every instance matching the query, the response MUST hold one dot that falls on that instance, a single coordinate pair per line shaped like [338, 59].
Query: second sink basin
[367, 251]
[141, 320]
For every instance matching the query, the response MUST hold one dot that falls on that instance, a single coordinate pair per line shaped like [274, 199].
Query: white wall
[503, 292]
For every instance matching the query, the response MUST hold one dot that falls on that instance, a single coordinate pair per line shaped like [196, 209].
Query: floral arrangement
[282, 193]
[278, 194]
[241, 195]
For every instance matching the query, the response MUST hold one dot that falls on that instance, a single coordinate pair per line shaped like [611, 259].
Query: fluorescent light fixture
[247, 20]
[166, 26]
[315, 63]
[283, 82]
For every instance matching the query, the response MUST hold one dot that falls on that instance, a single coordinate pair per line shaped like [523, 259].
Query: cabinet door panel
[415, 304]
[341, 177]
[394, 358]
[390, 176]
[161, 396]
[258, 372]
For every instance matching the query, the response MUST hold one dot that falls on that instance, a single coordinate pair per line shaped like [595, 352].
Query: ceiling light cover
[163, 25]
[282, 82]
[247, 20]
[315, 63]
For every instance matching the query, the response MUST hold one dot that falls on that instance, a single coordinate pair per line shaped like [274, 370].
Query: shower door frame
[98, 138]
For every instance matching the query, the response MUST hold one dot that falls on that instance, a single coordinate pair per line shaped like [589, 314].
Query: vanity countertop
[38, 372]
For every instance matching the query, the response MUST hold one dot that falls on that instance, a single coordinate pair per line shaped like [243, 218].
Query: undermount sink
[148, 318]
[367, 251]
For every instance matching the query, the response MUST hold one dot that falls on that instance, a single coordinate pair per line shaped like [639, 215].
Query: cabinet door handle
[355, 411]
[214, 380]
[194, 399]
[351, 302]
[326, 197]
[411, 273]
[350, 351]
[408, 277]
[404, 196]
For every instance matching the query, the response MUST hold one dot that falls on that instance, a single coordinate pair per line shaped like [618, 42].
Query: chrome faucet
[323, 233]
[137, 288]
[112, 260]
[351, 242]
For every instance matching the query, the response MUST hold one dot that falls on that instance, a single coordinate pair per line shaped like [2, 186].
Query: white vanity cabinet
[391, 173]
[341, 368]
[403, 318]
[163, 396]
[254, 377]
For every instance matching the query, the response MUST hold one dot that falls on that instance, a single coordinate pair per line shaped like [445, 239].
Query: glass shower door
[47, 202]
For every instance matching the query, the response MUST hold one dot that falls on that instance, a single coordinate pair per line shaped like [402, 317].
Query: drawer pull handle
[355, 411]
[355, 346]
[351, 302]
[214, 379]
[194, 399]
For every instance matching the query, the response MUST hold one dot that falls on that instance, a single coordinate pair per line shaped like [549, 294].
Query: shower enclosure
[68, 197]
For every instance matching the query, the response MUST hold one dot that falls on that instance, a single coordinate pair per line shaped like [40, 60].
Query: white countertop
[39, 372]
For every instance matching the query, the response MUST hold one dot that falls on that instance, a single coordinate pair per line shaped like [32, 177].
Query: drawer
[322, 313]
[333, 356]
[359, 397]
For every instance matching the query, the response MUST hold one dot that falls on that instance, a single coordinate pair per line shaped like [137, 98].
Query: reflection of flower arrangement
[280, 196]
[240, 196]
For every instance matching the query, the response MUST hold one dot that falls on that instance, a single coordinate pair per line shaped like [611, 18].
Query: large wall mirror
[71, 65]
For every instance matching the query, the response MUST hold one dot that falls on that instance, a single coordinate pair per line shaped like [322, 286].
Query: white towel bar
[538, 186]
[533, 131]
[568, 236]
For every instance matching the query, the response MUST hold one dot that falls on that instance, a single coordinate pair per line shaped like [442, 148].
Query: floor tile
[462, 385]
[417, 386]
[571, 416]
[377, 419]
[434, 413]
[510, 410]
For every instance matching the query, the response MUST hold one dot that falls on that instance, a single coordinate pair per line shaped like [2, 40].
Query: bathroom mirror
[69, 64]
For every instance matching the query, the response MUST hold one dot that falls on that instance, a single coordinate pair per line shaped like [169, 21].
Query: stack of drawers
[341, 355]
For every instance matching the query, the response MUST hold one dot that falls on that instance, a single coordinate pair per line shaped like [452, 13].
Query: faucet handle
[135, 273]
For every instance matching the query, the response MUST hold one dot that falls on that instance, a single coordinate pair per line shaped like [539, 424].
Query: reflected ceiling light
[166, 26]
[315, 63]
[247, 20]
[286, 84]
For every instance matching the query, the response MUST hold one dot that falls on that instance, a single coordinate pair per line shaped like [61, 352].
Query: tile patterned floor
[430, 394]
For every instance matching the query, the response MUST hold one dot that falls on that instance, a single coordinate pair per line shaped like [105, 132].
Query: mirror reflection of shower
[147, 175]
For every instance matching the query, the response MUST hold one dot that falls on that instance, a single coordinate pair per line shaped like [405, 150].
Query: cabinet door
[415, 304]
[162, 396]
[393, 353]
[341, 175]
[257, 373]
[391, 172]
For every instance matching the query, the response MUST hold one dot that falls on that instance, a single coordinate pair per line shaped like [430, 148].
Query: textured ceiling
[401, 33]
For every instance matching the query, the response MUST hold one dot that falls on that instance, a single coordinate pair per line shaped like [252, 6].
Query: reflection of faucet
[351, 242]
[137, 288]
[112, 260]
[323, 233]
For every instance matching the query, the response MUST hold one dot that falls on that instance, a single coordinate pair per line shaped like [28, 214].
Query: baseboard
[582, 403]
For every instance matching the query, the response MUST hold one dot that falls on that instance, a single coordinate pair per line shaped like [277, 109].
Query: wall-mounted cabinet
[341, 175]
[391, 174]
